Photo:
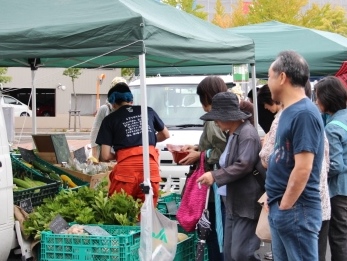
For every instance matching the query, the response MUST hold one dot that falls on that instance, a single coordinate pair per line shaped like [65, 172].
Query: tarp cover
[324, 51]
[64, 33]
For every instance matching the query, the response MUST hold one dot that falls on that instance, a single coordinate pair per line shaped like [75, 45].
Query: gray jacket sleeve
[243, 155]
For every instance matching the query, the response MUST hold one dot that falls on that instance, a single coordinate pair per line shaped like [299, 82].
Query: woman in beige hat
[103, 111]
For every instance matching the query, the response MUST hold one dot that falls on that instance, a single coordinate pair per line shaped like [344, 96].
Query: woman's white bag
[263, 227]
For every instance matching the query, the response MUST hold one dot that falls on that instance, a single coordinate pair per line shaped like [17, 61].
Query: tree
[3, 78]
[286, 11]
[220, 18]
[188, 6]
[128, 73]
[238, 17]
[73, 73]
[326, 18]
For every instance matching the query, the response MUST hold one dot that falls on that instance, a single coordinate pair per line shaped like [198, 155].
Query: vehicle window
[9, 100]
[175, 104]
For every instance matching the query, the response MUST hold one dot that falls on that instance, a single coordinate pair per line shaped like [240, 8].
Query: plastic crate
[192, 249]
[123, 245]
[186, 249]
[59, 171]
[162, 207]
[36, 194]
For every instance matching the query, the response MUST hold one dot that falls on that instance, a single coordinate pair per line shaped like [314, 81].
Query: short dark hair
[331, 94]
[294, 66]
[209, 87]
[250, 93]
[119, 87]
[264, 96]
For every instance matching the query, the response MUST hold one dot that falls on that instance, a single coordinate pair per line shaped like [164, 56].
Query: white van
[177, 104]
[7, 235]
[19, 109]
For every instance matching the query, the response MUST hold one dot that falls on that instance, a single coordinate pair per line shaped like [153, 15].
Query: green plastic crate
[75, 180]
[123, 245]
[185, 249]
[195, 241]
[37, 194]
[162, 208]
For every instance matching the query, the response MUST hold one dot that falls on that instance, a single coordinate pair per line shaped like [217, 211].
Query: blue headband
[120, 96]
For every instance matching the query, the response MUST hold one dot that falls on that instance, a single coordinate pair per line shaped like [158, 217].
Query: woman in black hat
[237, 164]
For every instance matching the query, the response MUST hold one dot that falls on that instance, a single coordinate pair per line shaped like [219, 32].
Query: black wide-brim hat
[225, 107]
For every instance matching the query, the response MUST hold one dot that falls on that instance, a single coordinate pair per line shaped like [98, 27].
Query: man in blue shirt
[292, 182]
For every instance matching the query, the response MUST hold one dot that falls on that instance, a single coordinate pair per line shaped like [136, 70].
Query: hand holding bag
[193, 200]
[263, 228]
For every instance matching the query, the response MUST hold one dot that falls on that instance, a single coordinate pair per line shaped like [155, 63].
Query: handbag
[263, 228]
[259, 173]
[193, 200]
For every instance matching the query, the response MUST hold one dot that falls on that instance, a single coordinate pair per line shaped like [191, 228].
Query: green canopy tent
[324, 51]
[113, 33]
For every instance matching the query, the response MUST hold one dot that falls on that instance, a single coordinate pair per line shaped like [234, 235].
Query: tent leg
[255, 97]
[33, 101]
[145, 146]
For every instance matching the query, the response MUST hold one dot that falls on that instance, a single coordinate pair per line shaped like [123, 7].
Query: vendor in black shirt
[122, 131]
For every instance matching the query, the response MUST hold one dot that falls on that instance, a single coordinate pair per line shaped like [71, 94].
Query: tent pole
[145, 146]
[255, 98]
[33, 101]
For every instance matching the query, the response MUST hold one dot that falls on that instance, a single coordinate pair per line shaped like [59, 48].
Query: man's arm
[297, 179]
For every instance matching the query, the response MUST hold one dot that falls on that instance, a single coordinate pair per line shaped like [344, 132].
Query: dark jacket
[243, 190]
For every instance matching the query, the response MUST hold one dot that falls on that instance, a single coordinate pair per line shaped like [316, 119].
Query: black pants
[212, 240]
[338, 228]
[323, 240]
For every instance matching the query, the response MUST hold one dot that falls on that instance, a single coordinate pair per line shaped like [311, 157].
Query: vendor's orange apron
[128, 173]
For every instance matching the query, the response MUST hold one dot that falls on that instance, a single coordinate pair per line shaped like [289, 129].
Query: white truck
[177, 104]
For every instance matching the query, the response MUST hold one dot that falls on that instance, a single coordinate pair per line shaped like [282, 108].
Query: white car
[19, 109]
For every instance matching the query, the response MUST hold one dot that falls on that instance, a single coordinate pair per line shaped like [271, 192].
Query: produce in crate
[181, 237]
[76, 229]
[92, 167]
[46, 171]
[84, 206]
[68, 181]
[26, 183]
[50, 172]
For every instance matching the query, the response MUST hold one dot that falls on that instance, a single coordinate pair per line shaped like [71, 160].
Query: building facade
[55, 89]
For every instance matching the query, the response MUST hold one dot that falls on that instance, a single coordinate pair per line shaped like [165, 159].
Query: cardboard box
[94, 180]
[48, 156]
[52, 148]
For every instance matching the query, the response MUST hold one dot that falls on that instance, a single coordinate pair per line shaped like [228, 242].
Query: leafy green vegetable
[84, 206]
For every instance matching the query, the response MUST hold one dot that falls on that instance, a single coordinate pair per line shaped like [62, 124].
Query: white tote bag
[163, 234]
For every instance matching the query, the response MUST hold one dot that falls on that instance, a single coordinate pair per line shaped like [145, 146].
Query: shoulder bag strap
[339, 123]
